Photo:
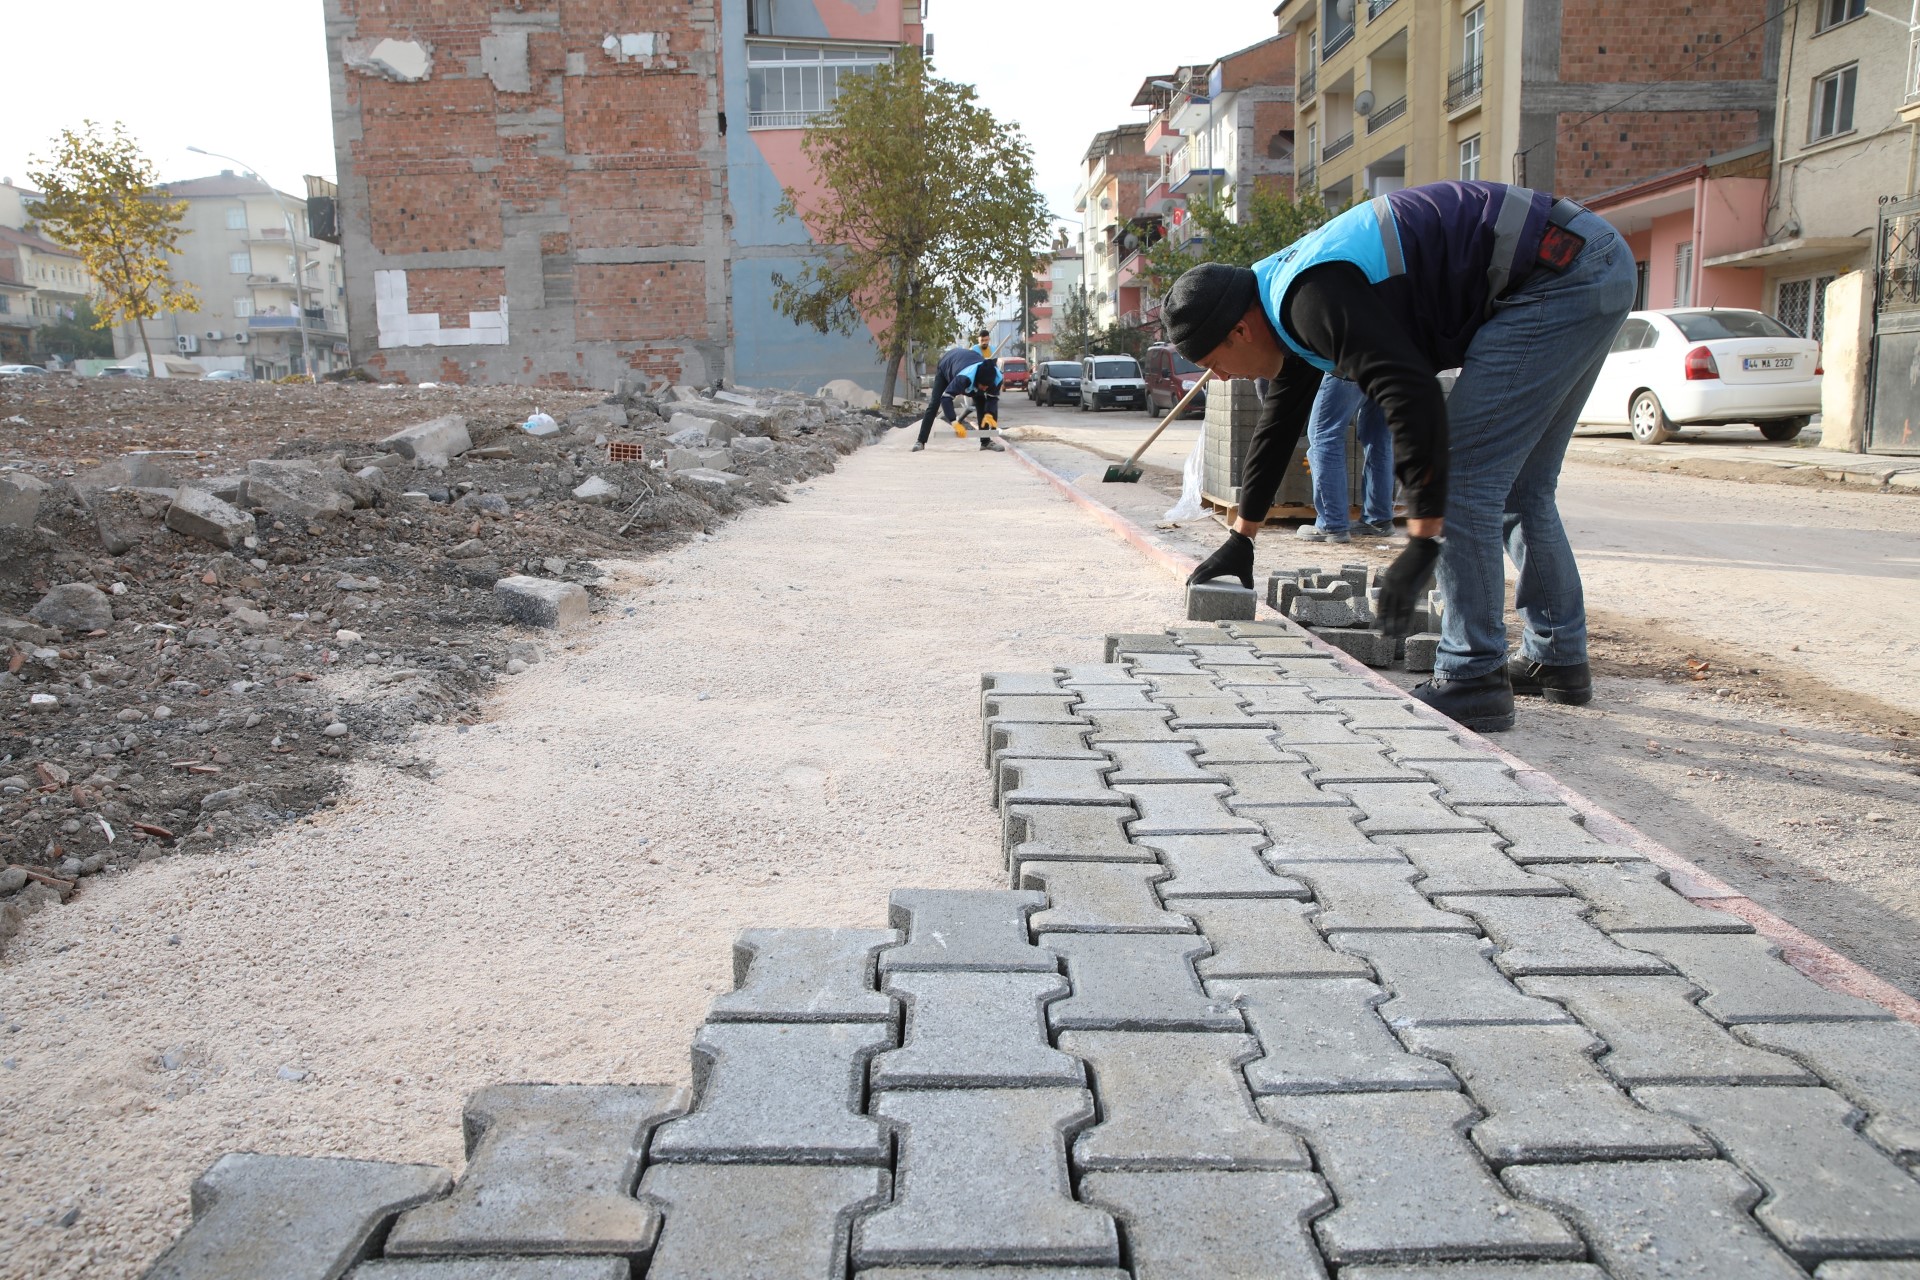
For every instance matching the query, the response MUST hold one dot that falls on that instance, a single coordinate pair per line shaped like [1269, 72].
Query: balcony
[1464, 85]
[1377, 7]
[268, 324]
[1184, 167]
[1162, 137]
[1387, 115]
[1336, 146]
[1336, 41]
[1130, 268]
[1308, 85]
[781, 119]
[1303, 181]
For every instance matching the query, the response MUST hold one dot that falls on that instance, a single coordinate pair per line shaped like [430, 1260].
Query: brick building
[569, 192]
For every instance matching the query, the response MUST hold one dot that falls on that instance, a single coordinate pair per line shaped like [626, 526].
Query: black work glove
[1234, 559]
[1405, 583]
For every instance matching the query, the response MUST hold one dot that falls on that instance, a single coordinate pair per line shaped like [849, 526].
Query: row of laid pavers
[1289, 981]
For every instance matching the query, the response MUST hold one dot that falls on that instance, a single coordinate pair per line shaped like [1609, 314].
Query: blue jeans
[1526, 376]
[1327, 456]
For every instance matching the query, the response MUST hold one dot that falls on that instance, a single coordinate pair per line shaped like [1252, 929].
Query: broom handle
[1178, 409]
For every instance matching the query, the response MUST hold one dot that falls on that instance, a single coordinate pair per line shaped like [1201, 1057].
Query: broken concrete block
[74, 606]
[137, 470]
[20, 498]
[298, 490]
[722, 433]
[201, 515]
[598, 491]
[1422, 648]
[1371, 647]
[706, 475]
[753, 445]
[541, 602]
[597, 417]
[430, 444]
[1219, 602]
[687, 430]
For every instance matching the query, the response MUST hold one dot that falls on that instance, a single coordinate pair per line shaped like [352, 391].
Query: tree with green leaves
[927, 208]
[103, 201]
[1074, 334]
[1274, 220]
[78, 338]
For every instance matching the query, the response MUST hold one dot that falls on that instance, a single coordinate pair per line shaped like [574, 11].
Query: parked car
[1705, 366]
[1111, 382]
[123, 371]
[22, 371]
[1015, 373]
[1170, 376]
[228, 375]
[1057, 382]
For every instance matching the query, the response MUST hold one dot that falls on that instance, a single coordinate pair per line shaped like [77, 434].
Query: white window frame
[240, 264]
[806, 86]
[242, 308]
[1837, 13]
[1683, 275]
[236, 217]
[1470, 159]
[1809, 318]
[1473, 36]
[1832, 92]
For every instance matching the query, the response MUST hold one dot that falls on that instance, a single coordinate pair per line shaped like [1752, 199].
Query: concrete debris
[20, 497]
[597, 490]
[430, 444]
[299, 490]
[540, 602]
[75, 606]
[706, 476]
[688, 431]
[199, 514]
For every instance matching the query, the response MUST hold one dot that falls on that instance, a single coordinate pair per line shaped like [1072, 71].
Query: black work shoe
[989, 446]
[1571, 684]
[1481, 703]
[917, 447]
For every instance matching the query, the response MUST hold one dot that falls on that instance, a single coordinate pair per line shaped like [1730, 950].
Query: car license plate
[1767, 362]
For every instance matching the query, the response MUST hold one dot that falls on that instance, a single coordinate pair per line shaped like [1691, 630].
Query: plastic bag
[1192, 480]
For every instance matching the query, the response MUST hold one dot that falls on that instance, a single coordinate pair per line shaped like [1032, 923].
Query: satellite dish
[1363, 105]
[1345, 9]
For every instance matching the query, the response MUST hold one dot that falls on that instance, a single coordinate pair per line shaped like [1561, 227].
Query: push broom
[1128, 472]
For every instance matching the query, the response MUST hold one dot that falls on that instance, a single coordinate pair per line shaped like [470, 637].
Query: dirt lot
[233, 687]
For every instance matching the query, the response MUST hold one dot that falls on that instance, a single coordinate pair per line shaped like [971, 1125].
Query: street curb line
[1804, 952]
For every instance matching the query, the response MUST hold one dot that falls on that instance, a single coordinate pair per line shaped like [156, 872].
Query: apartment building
[1057, 280]
[1111, 200]
[580, 193]
[1221, 130]
[1577, 97]
[41, 283]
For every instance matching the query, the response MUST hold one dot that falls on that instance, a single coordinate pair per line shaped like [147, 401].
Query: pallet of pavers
[1290, 981]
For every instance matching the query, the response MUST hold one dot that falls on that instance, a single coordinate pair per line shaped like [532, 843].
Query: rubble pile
[213, 597]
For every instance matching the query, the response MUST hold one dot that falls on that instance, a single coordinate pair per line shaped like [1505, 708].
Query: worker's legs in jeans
[933, 411]
[1333, 408]
[1376, 448]
[1525, 378]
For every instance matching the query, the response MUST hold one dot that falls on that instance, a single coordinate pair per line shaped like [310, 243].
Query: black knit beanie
[1204, 305]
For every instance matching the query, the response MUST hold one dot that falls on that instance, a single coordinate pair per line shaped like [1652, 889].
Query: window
[1473, 36]
[1833, 103]
[1683, 275]
[240, 264]
[1640, 286]
[1835, 12]
[237, 218]
[6, 305]
[1801, 305]
[243, 307]
[788, 85]
[760, 17]
[1470, 159]
[1633, 335]
[1706, 326]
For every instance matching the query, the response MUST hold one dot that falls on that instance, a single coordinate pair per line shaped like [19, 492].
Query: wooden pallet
[1227, 512]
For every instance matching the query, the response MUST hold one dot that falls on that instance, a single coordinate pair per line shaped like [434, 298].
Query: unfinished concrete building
[576, 192]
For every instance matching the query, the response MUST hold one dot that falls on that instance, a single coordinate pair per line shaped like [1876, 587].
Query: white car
[1702, 366]
[21, 371]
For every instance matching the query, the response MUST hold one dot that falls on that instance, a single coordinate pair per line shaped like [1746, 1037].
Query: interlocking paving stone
[481, 1268]
[1225, 655]
[1184, 809]
[1280, 700]
[1409, 1186]
[1876, 1065]
[1363, 897]
[1376, 716]
[1182, 686]
[1468, 863]
[1445, 980]
[1114, 697]
[1067, 833]
[981, 1177]
[1136, 982]
[1137, 762]
[757, 1222]
[1746, 982]
[1101, 897]
[1038, 742]
[1238, 746]
[550, 1169]
[1323, 1035]
[975, 1031]
[1031, 708]
[1213, 713]
[993, 1273]
[1269, 785]
[1328, 727]
[1219, 867]
[1549, 935]
[1829, 1193]
[1351, 762]
[1659, 1220]
[1174, 660]
[1175, 1100]
[1224, 1225]
[1314, 834]
[1056, 782]
[1343, 685]
[1633, 897]
[1546, 1101]
[1110, 727]
[1394, 807]
[1308, 666]
[778, 1093]
[291, 1217]
[1478, 782]
[1283, 646]
[1266, 938]
[1140, 642]
[1868, 1271]
[1020, 682]
[1098, 673]
[965, 929]
[1241, 681]
[1418, 746]
[1478, 1271]
[1655, 1034]
[806, 975]
[1546, 833]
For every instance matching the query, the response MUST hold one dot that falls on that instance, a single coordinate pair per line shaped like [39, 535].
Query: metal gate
[1893, 413]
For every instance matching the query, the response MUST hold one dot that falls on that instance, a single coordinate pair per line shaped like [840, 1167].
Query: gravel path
[774, 727]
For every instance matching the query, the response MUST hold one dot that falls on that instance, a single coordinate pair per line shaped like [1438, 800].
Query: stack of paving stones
[1290, 981]
[1340, 607]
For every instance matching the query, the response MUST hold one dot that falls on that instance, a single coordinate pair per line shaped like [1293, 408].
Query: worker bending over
[1520, 291]
[964, 372]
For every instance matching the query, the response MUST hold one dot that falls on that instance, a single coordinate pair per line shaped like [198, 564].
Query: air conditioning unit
[242, 337]
[215, 335]
[186, 344]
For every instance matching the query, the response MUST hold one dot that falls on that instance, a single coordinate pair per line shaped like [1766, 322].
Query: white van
[1111, 382]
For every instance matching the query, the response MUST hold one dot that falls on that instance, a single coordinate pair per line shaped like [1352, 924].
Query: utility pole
[299, 259]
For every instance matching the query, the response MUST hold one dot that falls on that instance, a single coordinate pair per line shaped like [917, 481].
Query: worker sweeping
[964, 372]
[1520, 291]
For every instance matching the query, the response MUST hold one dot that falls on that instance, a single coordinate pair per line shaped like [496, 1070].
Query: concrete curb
[1883, 475]
[1810, 956]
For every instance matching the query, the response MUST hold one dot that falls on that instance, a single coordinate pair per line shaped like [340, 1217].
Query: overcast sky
[250, 78]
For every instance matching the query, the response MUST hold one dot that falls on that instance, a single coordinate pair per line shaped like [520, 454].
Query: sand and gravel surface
[773, 727]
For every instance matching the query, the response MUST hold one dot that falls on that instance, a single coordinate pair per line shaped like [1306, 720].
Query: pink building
[1689, 228]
